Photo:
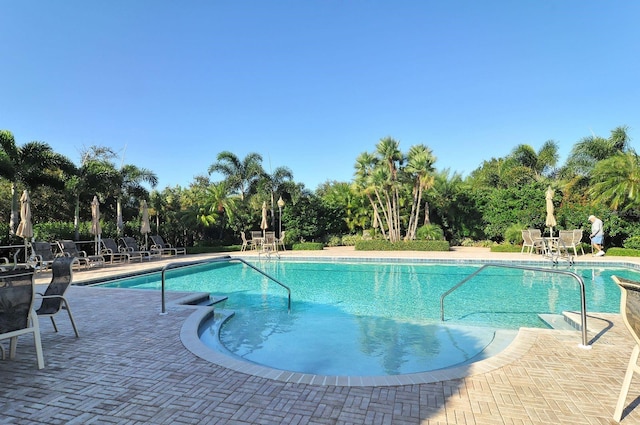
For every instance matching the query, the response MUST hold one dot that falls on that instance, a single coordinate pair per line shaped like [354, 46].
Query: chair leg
[13, 344]
[53, 322]
[73, 323]
[633, 367]
[36, 339]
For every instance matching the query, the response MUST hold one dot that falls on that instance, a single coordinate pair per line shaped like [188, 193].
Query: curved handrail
[583, 301]
[217, 260]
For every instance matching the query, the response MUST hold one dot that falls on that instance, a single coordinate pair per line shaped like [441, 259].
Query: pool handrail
[583, 301]
[226, 258]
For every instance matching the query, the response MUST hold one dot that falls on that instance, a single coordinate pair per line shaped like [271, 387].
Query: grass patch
[506, 247]
[623, 252]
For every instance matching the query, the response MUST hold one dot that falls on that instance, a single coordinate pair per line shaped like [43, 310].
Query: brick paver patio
[130, 367]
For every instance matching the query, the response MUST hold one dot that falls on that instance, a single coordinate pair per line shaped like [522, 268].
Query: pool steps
[560, 322]
[207, 300]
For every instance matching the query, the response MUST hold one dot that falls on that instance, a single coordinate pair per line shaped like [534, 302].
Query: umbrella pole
[26, 250]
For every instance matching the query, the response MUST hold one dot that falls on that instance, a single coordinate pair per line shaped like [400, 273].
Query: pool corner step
[557, 321]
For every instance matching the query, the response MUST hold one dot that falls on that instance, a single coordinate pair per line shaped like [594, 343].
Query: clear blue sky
[311, 84]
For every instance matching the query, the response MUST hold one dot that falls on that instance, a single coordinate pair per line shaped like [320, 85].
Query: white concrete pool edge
[523, 341]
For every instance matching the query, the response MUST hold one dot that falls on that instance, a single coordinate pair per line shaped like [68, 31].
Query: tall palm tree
[93, 177]
[33, 164]
[129, 184]
[241, 175]
[419, 167]
[542, 163]
[273, 183]
[617, 181]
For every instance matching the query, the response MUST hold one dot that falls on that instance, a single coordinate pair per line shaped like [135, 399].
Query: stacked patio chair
[17, 316]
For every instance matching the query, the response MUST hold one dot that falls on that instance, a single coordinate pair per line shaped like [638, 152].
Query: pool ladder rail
[583, 302]
[225, 258]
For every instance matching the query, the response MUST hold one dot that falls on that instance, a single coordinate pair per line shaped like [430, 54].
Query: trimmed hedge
[308, 246]
[622, 252]
[384, 245]
[506, 247]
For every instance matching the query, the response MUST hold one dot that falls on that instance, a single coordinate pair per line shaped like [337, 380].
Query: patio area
[130, 367]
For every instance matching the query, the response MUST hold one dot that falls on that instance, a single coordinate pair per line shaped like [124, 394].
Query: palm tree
[241, 175]
[33, 164]
[617, 181]
[128, 183]
[274, 183]
[91, 178]
[420, 161]
[542, 163]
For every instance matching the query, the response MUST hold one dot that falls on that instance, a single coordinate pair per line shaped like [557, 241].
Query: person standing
[597, 235]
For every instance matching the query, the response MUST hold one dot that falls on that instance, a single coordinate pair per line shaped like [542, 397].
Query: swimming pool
[351, 318]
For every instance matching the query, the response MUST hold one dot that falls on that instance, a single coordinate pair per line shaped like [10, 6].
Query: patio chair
[16, 311]
[269, 242]
[256, 238]
[280, 241]
[630, 312]
[165, 248]
[69, 249]
[530, 244]
[131, 247]
[53, 300]
[577, 241]
[245, 243]
[42, 254]
[112, 251]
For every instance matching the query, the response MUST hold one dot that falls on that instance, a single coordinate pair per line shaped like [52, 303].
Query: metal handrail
[217, 260]
[583, 301]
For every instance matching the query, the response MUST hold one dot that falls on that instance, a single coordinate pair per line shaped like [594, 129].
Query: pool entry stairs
[554, 322]
[210, 299]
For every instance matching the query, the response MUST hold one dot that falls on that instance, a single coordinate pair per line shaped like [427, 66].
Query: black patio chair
[16, 311]
[53, 300]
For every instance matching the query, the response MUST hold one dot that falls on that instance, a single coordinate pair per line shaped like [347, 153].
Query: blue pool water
[369, 318]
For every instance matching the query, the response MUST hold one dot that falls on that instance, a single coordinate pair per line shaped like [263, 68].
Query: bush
[308, 246]
[430, 232]
[623, 252]
[506, 247]
[513, 233]
[334, 241]
[350, 240]
[632, 243]
[384, 245]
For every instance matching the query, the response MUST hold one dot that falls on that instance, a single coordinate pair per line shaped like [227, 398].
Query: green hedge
[622, 252]
[384, 245]
[506, 247]
[308, 246]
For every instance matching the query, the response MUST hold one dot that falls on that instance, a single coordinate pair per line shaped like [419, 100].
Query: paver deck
[130, 367]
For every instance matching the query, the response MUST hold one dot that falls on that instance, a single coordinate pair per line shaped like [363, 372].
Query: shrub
[505, 247]
[632, 243]
[308, 246]
[384, 245]
[430, 232]
[350, 240]
[334, 241]
[513, 233]
[623, 252]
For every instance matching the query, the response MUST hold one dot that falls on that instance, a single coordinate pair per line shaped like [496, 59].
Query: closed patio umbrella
[25, 228]
[551, 220]
[145, 227]
[264, 225]
[96, 229]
